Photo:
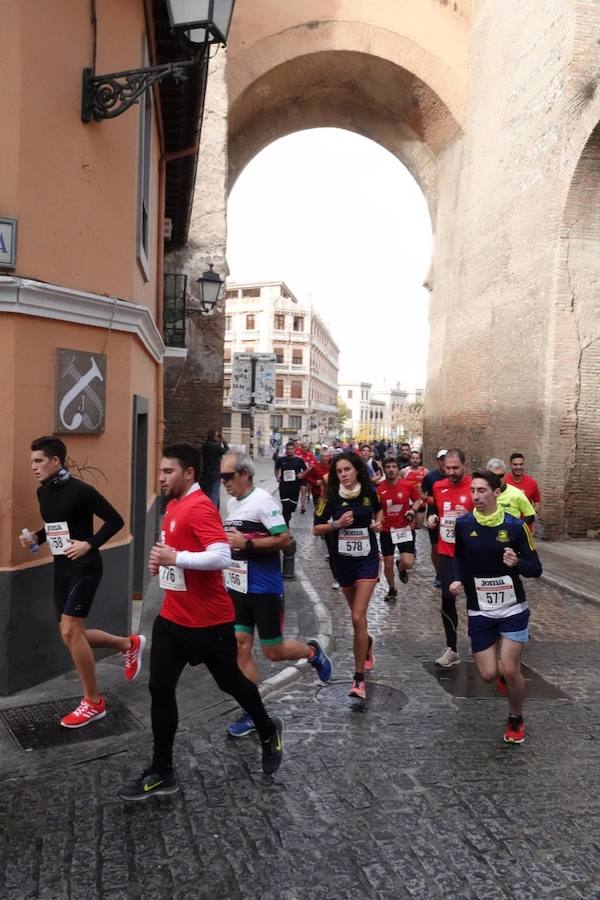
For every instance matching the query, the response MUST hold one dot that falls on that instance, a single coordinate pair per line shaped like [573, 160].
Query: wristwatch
[249, 545]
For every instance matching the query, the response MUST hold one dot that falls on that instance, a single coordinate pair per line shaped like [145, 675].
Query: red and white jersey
[452, 501]
[195, 599]
[396, 500]
[415, 476]
[307, 455]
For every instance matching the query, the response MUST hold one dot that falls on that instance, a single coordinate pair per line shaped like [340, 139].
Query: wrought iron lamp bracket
[107, 96]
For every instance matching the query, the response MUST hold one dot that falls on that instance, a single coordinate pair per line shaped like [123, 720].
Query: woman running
[350, 514]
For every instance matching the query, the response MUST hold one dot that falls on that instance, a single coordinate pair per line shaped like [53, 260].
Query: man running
[525, 483]
[427, 495]
[289, 471]
[399, 502]
[511, 499]
[451, 499]
[403, 456]
[195, 622]
[415, 473]
[68, 507]
[303, 452]
[257, 533]
[492, 551]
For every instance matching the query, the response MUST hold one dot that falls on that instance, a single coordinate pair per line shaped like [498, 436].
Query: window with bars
[276, 422]
[251, 292]
[279, 355]
[175, 287]
[295, 422]
[279, 388]
[296, 357]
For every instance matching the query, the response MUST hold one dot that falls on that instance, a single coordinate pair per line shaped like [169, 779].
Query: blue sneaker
[320, 661]
[437, 583]
[241, 727]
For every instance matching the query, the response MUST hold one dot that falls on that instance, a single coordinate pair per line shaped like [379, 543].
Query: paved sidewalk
[573, 566]
[412, 796]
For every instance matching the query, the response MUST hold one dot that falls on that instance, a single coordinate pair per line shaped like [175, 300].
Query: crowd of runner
[222, 578]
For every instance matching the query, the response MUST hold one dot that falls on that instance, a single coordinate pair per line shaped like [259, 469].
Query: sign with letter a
[80, 394]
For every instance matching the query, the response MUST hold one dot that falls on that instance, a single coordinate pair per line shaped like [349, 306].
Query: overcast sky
[345, 225]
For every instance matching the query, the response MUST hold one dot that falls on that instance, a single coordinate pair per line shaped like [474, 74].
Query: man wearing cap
[427, 495]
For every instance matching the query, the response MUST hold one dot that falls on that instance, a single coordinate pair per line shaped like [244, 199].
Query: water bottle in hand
[34, 546]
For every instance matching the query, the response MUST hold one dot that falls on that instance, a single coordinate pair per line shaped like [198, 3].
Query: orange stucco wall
[73, 187]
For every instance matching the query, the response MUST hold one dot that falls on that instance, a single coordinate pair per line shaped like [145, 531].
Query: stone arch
[573, 433]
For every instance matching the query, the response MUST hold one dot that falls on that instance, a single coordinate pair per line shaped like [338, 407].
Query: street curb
[569, 589]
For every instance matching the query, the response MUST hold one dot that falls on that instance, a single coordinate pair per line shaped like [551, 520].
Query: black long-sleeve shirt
[76, 503]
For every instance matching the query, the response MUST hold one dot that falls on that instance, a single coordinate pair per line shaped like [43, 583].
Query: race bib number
[354, 542]
[171, 578]
[289, 475]
[495, 593]
[235, 576]
[401, 535]
[448, 527]
[58, 537]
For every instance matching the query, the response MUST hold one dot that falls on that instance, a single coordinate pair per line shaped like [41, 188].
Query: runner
[352, 512]
[403, 456]
[511, 499]
[256, 532]
[195, 623]
[525, 483]
[451, 499]
[289, 470]
[399, 501]
[427, 494]
[492, 551]
[303, 452]
[415, 473]
[373, 465]
[68, 507]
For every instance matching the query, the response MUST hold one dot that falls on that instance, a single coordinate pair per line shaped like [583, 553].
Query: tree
[408, 421]
[342, 414]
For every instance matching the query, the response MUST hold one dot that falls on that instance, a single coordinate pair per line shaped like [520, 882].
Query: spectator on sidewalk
[213, 449]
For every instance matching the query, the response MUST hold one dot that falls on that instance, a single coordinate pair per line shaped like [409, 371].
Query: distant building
[375, 412]
[267, 317]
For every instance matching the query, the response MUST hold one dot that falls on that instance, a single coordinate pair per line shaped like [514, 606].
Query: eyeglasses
[227, 476]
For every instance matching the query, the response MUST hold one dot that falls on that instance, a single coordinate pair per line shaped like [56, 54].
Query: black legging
[449, 617]
[172, 647]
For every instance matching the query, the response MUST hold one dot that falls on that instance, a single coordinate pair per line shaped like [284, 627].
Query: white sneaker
[336, 585]
[448, 658]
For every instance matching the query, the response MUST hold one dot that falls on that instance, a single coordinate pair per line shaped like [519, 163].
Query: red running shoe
[133, 656]
[85, 713]
[370, 660]
[358, 690]
[514, 734]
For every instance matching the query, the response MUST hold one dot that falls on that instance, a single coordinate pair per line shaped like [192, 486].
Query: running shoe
[501, 685]
[133, 657]
[370, 660]
[402, 573]
[272, 748]
[241, 727]
[336, 585]
[150, 784]
[437, 583]
[320, 661]
[85, 713]
[358, 690]
[448, 658]
[391, 595]
[514, 733]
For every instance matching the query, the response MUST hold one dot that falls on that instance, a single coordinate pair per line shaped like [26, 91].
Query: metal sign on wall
[264, 380]
[80, 392]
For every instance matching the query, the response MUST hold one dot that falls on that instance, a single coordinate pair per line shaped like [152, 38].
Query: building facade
[81, 304]
[268, 318]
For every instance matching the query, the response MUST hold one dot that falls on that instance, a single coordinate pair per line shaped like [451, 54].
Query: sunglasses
[227, 476]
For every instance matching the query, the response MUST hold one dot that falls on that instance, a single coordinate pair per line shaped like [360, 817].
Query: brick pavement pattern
[418, 801]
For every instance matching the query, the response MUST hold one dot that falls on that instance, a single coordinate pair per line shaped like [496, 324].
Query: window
[298, 323]
[226, 420]
[279, 387]
[279, 321]
[246, 420]
[279, 355]
[251, 292]
[296, 390]
[295, 422]
[296, 357]
[231, 295]
[276, 422]
[227, 355]
[250, 322]
[227, 323]
[144, 169]
[349, 395]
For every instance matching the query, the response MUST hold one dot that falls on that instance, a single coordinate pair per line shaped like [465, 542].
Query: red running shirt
[452, 501]
[193, 523]
[527, 484]
[416, 476]
[396, 500]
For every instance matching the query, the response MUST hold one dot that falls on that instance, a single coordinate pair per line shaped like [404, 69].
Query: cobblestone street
[413, 796]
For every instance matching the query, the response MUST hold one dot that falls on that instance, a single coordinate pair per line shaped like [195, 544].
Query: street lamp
[210, 287]
[198, 23]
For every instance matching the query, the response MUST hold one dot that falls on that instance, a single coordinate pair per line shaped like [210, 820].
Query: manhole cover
[380, 697]
[38, 727]
[463, 681]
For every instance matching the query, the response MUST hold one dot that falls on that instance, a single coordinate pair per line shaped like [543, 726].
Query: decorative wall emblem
[80, 396]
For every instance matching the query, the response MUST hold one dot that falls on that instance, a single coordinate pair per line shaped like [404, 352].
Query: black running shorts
[263, 611]
[388, 546]
[75, 586]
